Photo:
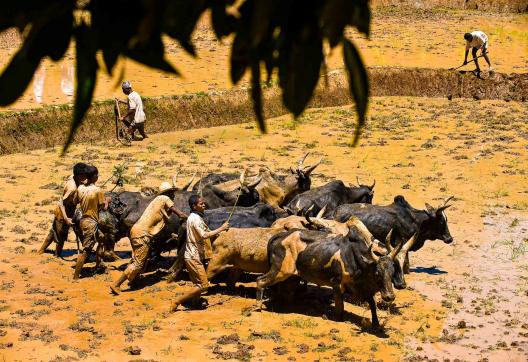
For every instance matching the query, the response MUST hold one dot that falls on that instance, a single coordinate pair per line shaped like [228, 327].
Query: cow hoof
[115, 290]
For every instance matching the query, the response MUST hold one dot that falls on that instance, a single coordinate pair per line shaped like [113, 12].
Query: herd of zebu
[281, 228]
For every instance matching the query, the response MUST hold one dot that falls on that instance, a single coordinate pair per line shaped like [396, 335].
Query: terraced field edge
[48, 126]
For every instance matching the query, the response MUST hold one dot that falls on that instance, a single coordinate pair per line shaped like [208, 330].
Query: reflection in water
[38, 82]
[67, 79]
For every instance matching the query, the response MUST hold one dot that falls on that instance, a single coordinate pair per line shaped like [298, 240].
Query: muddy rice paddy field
[400, 37]
[466, 301]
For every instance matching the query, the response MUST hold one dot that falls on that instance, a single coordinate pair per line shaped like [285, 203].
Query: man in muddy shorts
[90, 199]
[145, 229]
[197, 232]
[65, 210]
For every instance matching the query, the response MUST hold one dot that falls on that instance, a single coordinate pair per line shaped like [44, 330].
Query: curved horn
[186, 186]
[408, 245]
[446, 201]
[309, 209]
[372, 254]
[321, 212]
[358, 182]
[395, 251]
[316, 222]
[243, 177]
[308, 170]
[255, 183]
[301, 161]
[174, 178]
[388, 244]
[374, 184]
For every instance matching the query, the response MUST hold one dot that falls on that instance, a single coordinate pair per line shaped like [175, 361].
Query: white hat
[164, 187]
[126, 84]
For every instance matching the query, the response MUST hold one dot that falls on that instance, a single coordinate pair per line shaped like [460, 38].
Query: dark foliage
[283, 36]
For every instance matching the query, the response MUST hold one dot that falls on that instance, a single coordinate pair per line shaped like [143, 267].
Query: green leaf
[239, 57]
[16, 77]
[336, 15]
[299, 67]
[86, 49]
[261, 20]
[152, 55]
[358, 82]
[223, 23]
[361, 17]
[180, 18]
[256, 95]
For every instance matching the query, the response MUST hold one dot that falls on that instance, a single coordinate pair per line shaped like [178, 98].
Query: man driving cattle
[197, 232]
[65, 210]
[145, 229]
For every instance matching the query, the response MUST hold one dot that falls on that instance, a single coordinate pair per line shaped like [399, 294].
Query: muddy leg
[99, 254]
[47, 242]
[81, 259]
[116, 288]
[177, 267]
[193, 294]
[109, 254]
[234, 275]
[274, 275]
[372, 305]
[406, 264]
[338, 301]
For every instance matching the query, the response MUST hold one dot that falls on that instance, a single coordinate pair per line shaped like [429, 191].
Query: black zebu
[404, 220]
[259, 215]
[345, 263]
[329, 197]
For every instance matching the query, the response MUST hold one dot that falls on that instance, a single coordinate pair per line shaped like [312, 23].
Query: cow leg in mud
[177, 267]
[373, 311]
[407, 264]
[218, 263]
[233, 277]
[338, 301]
[280, 270]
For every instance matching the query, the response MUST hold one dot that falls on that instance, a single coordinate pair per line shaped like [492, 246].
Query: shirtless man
[91, 199]
[65, 210]
[144, 230]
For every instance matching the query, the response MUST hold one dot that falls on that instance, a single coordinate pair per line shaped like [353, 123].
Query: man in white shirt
[197, 232]
[477, 40]
[135, 117]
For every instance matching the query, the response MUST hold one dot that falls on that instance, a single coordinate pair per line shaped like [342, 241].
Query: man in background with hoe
[477, 40]
[135, 116]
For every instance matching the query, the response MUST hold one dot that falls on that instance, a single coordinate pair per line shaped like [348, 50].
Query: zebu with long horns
[328, 197]
[277, 190]
[345, 263]
[404, 220]
[274, 189]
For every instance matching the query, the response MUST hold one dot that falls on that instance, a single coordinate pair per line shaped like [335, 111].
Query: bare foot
[173, 307]
[115, 290]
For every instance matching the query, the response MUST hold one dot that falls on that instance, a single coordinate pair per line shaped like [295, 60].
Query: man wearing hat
[135, 117]
[145, 229]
